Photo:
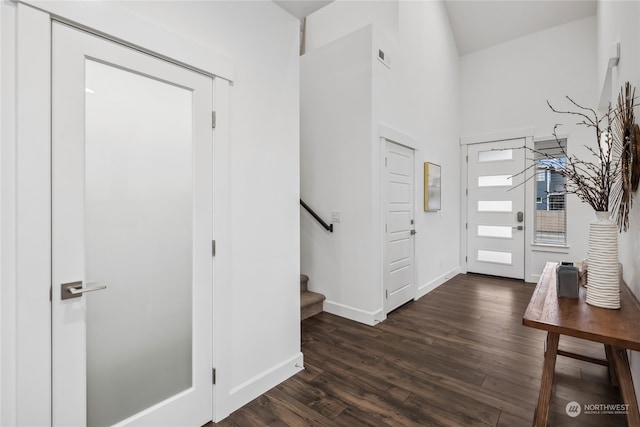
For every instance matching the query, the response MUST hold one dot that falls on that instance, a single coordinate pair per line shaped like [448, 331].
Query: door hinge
[386, 293]
[466, 225]
[385, 162]
[213, 375]
[466, 191]
[466, 259]
[213, 248]
[51, 293]
[385, 228]
[213, 119]
[467, 158]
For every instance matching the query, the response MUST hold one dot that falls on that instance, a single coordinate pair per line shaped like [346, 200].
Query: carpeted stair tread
[307, 298]
[311, 303]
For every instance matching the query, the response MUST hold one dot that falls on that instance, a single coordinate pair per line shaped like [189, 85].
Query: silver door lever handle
[518, 227]
[76, 289]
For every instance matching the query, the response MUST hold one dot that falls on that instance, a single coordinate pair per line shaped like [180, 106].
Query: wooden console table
[616, 329]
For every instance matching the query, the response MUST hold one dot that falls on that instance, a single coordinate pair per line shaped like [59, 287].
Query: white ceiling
[301, 8]
[478, 24]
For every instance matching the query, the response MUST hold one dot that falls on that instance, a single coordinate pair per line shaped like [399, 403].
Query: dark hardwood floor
[459, 356]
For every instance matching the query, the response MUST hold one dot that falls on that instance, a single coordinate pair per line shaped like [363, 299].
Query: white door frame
[26, 195]
[465, 141]
[386, 133]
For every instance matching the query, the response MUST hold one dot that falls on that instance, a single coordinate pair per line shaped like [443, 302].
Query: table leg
[546, 384]
[621, 367]
[613, 376]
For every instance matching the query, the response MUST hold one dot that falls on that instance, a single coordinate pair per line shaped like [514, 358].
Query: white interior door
[132, 211]
[495, 208]
[399, 276]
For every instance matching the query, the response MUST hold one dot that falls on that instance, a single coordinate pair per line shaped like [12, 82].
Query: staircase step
[304, 280]
[310, 304]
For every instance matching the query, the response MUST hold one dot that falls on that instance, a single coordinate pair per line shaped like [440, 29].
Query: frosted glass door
[138, 240]
[495, 231]
[132, 221]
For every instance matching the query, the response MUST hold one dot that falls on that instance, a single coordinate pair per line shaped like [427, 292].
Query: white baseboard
[533, 278]
[429, 286]
[367, 317]
[263, 382]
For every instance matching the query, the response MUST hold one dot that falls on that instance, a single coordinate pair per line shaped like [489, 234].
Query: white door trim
[387, 133]
[26, 213]
[7, 217]
[110, 20]
[398, 137]
[33, 219]
[222, 261]
[497, 136]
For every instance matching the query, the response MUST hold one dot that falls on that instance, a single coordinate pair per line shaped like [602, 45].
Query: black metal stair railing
[328, 227]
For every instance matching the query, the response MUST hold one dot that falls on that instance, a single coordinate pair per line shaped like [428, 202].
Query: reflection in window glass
[550, 222]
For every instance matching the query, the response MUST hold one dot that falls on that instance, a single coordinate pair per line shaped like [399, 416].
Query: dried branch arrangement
[605, 180]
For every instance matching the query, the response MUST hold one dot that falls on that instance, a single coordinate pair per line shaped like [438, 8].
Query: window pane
[495, 206]
[494, 181]
[494, 155]
[497, 257]
[550, 222]
[495, 231]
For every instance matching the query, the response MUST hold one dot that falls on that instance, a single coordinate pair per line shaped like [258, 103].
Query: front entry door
[399, 276]
[495, 208]
[132, 228]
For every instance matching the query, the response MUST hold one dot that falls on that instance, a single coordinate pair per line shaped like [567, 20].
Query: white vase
[603, 275]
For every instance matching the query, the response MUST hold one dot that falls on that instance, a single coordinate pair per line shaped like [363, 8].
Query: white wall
[262, 41]
[426, 106]
[414, 97]
[7, 216]
[620, 22]
[335, 168]
[505, 87]
[343, 17]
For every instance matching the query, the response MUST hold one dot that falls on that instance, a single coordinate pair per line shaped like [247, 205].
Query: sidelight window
[550, 221]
